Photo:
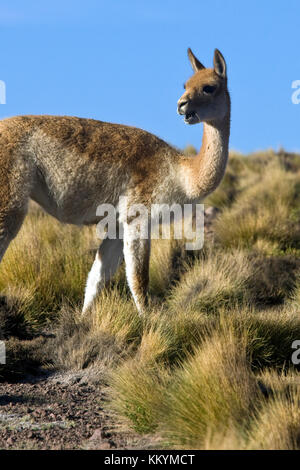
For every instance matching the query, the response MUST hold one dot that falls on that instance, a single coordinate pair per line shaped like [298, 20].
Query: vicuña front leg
[137, 255]
[108, 258]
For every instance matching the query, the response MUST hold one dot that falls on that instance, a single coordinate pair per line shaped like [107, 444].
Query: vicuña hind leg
[16, 178]
[10, 224]
[108, 258]
[137, 257]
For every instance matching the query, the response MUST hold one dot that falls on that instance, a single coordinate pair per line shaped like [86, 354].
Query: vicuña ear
[196, 64]
[219, 64]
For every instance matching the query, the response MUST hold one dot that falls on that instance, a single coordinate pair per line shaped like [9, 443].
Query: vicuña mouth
[190, 116]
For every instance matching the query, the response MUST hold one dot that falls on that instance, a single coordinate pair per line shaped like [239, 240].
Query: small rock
[104, 446]
[97, 435]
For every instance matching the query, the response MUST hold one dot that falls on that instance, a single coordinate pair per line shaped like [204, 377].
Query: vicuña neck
[203, 173]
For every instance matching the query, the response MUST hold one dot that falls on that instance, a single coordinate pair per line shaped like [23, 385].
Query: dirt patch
[56, 414]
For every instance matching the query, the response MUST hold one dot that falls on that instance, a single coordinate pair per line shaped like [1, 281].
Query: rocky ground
[58, 413]
[47, 414]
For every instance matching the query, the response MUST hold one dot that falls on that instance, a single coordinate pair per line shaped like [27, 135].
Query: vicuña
[70, 166]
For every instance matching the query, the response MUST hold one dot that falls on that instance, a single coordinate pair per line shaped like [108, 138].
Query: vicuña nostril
[181, 104]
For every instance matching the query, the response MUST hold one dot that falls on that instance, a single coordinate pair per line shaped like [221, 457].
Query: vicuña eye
[209, 89]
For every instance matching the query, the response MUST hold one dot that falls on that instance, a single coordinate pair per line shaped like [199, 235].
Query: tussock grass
[160, 267]
[213, 282]
[214, 390]
[80, 344]
[97, 341]
[137, 389]
[116, 314]
[184, 330]
[269, 334]
[277, 426]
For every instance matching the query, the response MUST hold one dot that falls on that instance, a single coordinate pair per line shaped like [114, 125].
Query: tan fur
[71, 165]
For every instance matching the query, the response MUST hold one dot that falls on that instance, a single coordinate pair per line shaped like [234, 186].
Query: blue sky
[125, 61]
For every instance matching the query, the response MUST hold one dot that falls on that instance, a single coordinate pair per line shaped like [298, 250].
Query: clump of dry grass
[79, 345]
[275, 278]
[98, 340]
[137, 388]
[183, 330]
[277, 426]
[116, 314]
[213, 282]
[212, 392]
[269, 334]
[160, 267]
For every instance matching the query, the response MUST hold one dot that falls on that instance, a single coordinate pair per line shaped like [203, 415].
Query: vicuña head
[206, 97]
[71, 166]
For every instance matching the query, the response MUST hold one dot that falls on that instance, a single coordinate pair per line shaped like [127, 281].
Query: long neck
[203, 173]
